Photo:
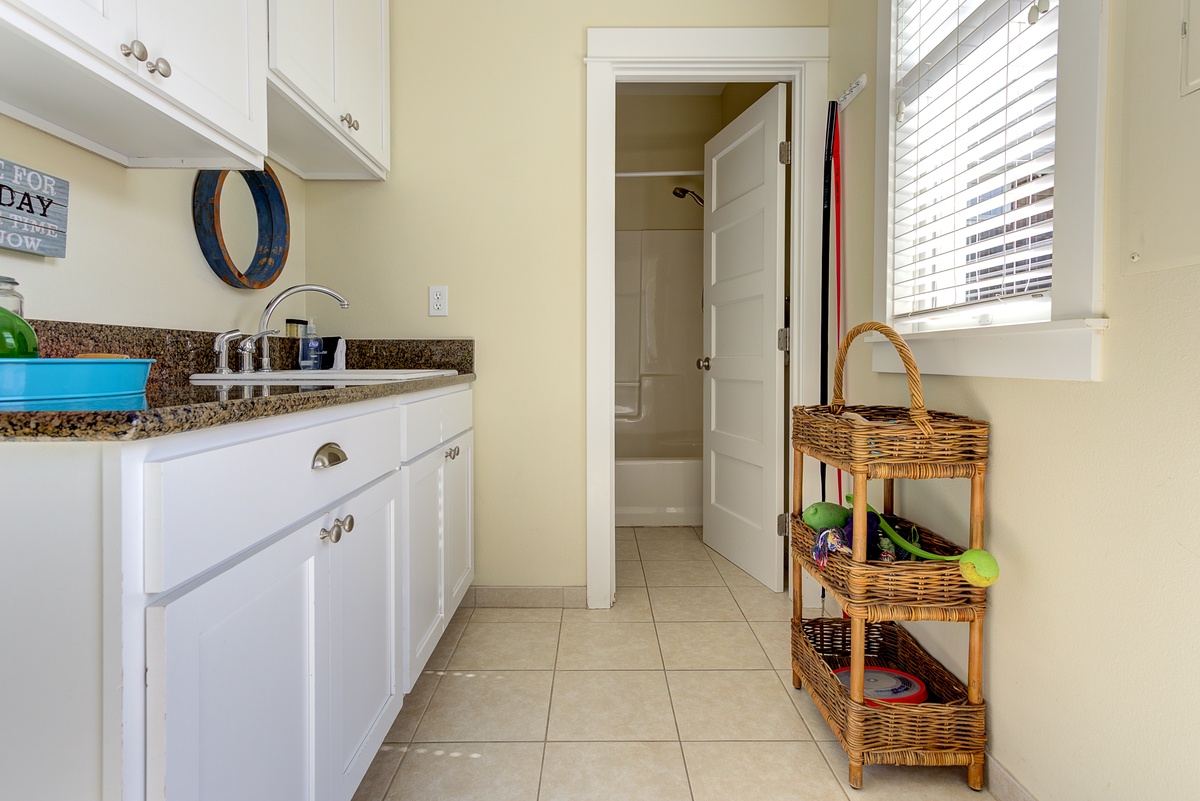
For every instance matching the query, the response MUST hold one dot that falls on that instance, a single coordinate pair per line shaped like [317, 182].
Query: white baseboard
[1002, 785]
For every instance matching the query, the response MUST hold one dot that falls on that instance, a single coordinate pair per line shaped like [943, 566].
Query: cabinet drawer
[431, 422]
[202, 508]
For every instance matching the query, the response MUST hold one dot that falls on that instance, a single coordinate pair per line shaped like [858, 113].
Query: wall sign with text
[33, 211]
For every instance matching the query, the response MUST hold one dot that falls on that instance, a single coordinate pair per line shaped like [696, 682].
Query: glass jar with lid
[17, 339]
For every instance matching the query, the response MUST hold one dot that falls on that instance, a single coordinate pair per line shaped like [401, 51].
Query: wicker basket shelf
[889, 443]
[945, 730]
[902, 590]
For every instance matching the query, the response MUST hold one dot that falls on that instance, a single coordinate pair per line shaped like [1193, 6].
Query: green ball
[979, 567]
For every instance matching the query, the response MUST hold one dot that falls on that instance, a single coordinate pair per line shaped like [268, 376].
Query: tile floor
[680, 692]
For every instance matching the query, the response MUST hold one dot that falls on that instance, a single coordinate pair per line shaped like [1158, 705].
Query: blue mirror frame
[274, 233]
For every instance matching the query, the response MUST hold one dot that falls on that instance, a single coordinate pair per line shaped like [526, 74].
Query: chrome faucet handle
[221, 348]
[246, 349]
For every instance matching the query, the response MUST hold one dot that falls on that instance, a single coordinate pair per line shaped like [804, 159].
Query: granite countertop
[173, 404]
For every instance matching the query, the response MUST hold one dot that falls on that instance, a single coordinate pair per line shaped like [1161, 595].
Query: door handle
[703, 364]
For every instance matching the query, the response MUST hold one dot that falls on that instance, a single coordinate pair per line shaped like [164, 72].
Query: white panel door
[423, 584]
[100, 25]
[233, 683]
[362, 80]
[743, 388]
[217, 51]
[365, 655]
[459, 516]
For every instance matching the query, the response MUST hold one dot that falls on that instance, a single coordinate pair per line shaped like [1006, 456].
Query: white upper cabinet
[146, 83]
[328, 98]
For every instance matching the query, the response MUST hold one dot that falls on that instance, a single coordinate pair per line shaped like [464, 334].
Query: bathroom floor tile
[611, 705]
[660, 550]
[383, 767]
[681, 573]
[660, 533]
[500, 706]
[627, 549]
[468, 772]
[612, 771]
[632, 605]
[625, 532]
[710, 646]
[760, 771]
[629, 573]
[500, 614]
[693, 604]
[733, 575]
[415, 702]
[776, 639]
[903, 783]
[608, 646]
[759, 603]
[506, 646]
[449, 641]
[733, 705]
[812, 716]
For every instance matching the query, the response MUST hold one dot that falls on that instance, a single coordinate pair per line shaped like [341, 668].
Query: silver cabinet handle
[135, 49]
[347, 523]
[333, 534]
[161, 66]
[457, 451]
[328, 455]
[703, 364]
[453, 452]
[351, 123]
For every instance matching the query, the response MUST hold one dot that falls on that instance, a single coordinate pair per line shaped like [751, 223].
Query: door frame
[796, 56]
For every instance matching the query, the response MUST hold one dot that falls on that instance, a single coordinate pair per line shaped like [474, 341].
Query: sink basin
[312, 378]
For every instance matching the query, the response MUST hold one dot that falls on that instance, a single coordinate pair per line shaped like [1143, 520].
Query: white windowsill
[1062, 350]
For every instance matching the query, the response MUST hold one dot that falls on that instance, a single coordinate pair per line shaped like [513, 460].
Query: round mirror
[224, 224]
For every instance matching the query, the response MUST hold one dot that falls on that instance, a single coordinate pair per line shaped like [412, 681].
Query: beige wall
[1092, 494]
[132, 256]
[486, 196]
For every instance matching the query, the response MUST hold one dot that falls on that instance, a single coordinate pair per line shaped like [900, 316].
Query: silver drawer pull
[347, 523]
[332, 534]
[328, 455]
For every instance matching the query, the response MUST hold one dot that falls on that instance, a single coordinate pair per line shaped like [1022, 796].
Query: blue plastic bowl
[60, 379]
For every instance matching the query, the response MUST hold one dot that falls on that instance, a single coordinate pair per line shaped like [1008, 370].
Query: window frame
[1068, 346]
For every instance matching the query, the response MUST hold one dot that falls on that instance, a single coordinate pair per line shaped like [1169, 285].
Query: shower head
[680, 192]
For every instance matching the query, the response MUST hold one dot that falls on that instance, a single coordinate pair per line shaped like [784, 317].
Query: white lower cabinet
[278, 678]
[438, 537]
[243, 607]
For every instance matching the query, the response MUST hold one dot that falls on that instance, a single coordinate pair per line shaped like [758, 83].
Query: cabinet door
[233, 681]
[218, 57]
[459, 515]
[302, 49]
[101, 26]
[422, 561]
[362, 80]
[365, 655]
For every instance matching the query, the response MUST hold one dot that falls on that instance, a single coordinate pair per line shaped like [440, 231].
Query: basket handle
[917, 411]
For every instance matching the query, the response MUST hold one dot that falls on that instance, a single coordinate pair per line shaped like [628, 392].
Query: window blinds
[973, 162]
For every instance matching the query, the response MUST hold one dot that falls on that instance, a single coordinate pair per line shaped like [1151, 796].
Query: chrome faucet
[265, 360]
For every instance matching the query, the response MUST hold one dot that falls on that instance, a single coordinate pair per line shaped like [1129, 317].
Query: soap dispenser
[310, 348]
[17, 340]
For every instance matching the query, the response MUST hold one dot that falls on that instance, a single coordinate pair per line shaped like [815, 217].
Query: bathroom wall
[486, 196]
[132, 256]
[1091, 488]
[659, 272]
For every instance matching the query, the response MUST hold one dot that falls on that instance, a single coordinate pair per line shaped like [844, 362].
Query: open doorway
[661, 133]
[692, 56]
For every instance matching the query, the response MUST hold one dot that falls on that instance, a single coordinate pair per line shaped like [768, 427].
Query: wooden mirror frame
[274, 234]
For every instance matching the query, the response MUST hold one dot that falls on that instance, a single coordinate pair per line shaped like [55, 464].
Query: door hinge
[781, 339]
[785, 152]
[781, 525]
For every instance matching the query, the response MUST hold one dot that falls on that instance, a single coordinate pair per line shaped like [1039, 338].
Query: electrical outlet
[439, 301]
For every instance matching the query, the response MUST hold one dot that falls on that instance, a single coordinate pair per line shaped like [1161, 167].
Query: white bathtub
[658, 491]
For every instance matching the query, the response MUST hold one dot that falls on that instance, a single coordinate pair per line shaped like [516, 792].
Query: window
[972, 100]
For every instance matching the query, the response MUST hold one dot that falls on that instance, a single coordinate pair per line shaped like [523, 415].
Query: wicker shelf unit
[886, 442]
